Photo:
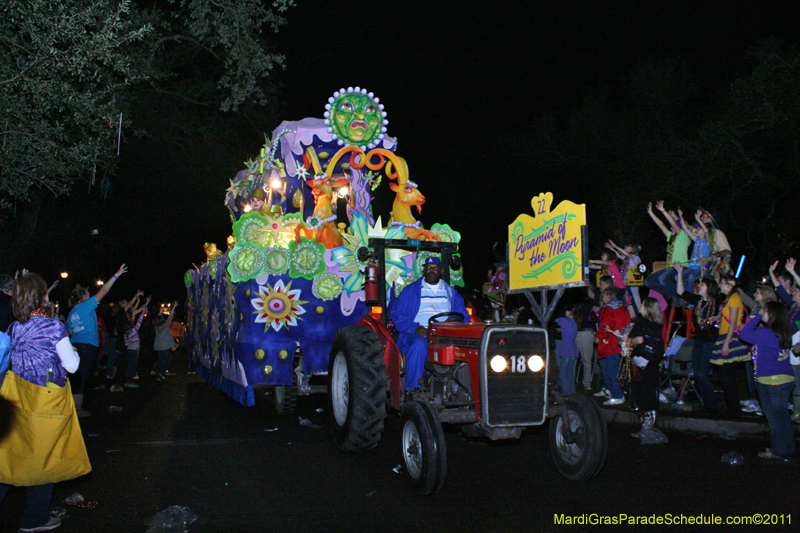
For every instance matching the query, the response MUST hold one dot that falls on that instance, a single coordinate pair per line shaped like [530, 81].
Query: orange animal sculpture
[407, 195]
[321, 226]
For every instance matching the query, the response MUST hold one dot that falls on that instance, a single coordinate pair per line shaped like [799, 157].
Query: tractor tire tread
[368, 388]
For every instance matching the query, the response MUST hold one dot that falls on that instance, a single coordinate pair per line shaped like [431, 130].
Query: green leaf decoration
[276, 261]
[246, 262]
[327, 286]
[253, 227]
[306, 259]
[446, 233]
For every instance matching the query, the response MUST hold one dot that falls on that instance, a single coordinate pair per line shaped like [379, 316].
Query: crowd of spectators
[732, 332]
[79, 352]
[107, 335]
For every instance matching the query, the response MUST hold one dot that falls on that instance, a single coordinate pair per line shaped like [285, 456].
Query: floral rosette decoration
[347, 256]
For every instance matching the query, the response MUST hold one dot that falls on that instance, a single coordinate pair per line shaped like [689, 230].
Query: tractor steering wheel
[456, 314]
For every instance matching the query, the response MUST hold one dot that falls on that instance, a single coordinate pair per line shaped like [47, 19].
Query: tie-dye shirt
[33, 350]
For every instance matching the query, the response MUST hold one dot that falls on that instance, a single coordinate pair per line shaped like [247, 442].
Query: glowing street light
[64, 275]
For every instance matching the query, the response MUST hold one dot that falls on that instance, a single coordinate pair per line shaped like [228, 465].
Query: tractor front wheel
[578, 438]
[422, 448]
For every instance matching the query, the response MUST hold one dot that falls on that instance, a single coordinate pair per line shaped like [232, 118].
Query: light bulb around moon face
[276, 184]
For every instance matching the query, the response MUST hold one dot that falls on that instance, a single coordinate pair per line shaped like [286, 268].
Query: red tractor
[490, 379]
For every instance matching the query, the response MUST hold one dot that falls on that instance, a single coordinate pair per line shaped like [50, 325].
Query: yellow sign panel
[546, 249]
[635, 277]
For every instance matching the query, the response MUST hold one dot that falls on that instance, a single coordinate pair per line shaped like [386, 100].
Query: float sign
[546, 250]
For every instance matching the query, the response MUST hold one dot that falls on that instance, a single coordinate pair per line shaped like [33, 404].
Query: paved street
[247, 469]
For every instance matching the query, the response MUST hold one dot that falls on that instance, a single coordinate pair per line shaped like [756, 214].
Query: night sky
[456, 77]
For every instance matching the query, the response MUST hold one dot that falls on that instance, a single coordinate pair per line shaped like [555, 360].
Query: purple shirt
[569, 330]
[768, 361]
[33, 350]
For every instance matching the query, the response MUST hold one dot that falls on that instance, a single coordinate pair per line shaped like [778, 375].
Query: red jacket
[617, 317]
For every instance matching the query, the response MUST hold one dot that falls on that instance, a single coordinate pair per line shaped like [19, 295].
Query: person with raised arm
[82, 328]
[630, 259]
[783, 282]
[116, 323]
[132, 344]
[164, 342]
[791, 296]
[678, 241]
[701, 250]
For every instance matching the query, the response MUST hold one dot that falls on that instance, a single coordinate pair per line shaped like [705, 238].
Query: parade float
[265, 312]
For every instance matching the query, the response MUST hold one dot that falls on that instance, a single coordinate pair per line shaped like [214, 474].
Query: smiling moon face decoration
[355, 117]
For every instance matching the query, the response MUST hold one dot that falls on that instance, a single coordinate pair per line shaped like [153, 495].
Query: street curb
[690, 425]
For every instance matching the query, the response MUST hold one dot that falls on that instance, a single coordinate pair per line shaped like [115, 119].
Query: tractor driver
[419, 301]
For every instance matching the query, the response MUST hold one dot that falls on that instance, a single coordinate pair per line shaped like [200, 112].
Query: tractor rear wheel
[285, 399]
[578, 444]
[422, 448]
[357, 388]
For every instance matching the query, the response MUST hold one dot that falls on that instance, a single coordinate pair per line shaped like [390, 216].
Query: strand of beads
[315, 222]
[406, 224]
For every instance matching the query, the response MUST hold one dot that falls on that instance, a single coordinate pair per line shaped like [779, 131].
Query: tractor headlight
[498, 363]
[535, 363]
[517, 364]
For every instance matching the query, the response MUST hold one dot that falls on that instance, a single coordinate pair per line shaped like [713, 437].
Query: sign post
[548, 251]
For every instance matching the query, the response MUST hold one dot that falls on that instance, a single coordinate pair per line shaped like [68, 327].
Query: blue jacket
[405, 307]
